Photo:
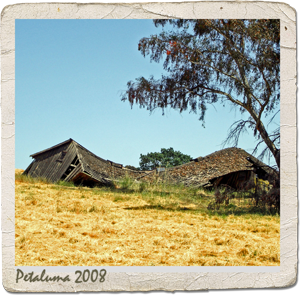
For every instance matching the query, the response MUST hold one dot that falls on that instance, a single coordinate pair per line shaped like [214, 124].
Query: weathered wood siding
[49, 166]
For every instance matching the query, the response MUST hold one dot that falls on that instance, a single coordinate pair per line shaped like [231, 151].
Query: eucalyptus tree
[209, 61]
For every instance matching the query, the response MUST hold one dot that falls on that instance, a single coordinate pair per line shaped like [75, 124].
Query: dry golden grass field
[59, 225]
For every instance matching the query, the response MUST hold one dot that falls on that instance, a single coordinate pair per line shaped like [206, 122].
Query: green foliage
[260, 197]
[27, 178]
[166, 158]
[143, 186]
[65, 183]
[207, 61]
[126, 182]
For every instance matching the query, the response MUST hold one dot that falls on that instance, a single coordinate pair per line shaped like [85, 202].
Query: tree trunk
[265, 136]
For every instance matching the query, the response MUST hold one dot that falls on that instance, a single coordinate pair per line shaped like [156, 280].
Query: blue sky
[69, 78]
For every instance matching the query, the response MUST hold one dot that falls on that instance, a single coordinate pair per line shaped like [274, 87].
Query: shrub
[263, 195]
[271, 199]
[65, 183]
[223, 195]
[142, 187]
[126, 182]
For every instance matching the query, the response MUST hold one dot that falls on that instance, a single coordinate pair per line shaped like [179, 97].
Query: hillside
[133, 224]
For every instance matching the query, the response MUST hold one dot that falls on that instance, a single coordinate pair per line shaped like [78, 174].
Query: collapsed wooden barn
[231, 166]
[70, 161]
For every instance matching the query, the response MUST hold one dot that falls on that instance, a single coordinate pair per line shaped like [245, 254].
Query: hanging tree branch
[215, 60]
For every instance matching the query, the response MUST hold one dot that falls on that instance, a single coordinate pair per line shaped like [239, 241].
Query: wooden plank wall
[47, 165]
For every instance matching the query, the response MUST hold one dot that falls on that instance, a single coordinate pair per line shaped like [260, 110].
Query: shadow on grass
[222, 212]
[135, 191]
[159, 207]
[240, 211]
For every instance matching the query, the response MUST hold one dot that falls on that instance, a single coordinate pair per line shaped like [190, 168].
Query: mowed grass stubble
[57, 225]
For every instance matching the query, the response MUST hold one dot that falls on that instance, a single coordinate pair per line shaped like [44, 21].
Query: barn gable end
[52, 163]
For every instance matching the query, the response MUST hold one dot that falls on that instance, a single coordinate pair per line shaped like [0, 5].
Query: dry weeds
[58, 225]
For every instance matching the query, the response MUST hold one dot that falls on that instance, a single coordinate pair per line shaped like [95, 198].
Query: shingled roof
[203, 170]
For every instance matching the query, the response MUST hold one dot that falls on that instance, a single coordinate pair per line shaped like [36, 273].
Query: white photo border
[157, 278]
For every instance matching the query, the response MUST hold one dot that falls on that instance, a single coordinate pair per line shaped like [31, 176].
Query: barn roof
[231, 160]
[87, 155]
[51, 148]
[203, 169]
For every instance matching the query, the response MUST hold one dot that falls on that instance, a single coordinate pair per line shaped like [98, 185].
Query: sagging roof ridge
[76, 143]
[215, 153]
[254, 159]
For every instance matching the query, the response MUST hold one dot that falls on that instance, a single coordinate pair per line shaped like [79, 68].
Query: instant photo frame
[146, 278]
